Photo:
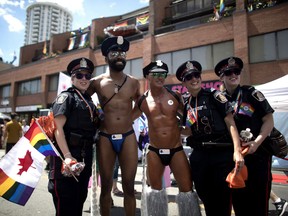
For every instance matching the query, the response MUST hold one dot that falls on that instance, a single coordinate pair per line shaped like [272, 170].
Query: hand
[239, 161]
[249, 147]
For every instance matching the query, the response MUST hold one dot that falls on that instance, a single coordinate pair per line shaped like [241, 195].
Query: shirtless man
[116, 91]
[165, 149]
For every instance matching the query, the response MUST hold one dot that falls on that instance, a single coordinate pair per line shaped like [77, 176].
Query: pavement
[40, 203]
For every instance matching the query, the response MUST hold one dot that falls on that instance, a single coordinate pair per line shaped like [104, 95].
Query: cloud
[143, 1]
[1, 53]
[113, 4]
[14, 24]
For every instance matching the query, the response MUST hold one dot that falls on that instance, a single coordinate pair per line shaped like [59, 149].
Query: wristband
[68, 153]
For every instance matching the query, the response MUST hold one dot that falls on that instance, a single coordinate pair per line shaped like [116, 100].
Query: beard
[113, 64]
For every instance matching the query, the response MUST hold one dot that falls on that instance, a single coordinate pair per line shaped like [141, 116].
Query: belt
[216, 144]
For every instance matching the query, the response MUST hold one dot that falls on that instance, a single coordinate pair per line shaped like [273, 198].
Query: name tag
[116, 136]
[164, 151]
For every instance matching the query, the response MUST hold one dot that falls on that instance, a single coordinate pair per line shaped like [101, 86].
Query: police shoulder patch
[258, 95]
[61, 98]
[219, 96]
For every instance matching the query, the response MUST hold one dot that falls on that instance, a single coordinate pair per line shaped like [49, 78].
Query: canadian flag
[63, 83]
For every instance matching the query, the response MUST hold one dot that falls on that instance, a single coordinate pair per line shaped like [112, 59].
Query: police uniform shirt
[250, 106]
[215, 107]
[70, 104]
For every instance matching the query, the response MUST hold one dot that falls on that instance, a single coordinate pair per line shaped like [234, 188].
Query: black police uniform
[250, 106]
[69, 195]
[212, 157]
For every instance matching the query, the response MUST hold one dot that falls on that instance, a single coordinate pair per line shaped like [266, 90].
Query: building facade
[44, 19]
[173, 31]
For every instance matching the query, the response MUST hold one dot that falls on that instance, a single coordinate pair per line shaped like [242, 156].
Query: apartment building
[44, 19]
[171, 30]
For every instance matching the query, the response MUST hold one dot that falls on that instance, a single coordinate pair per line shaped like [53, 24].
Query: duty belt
[215, 144]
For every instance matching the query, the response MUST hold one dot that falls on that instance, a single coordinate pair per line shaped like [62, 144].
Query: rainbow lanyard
[237, 102]
[88, 105]
[193, 113]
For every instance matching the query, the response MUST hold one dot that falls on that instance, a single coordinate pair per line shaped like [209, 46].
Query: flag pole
[54, 148]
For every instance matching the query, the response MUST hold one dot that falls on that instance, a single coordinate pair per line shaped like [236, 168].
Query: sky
[13, 18]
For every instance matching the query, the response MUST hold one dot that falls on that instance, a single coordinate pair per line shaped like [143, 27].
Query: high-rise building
[44, 19]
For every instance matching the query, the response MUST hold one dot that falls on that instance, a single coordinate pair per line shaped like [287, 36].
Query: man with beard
[116, 92]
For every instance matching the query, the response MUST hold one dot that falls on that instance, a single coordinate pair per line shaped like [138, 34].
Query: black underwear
[165, 155]
[116, 140]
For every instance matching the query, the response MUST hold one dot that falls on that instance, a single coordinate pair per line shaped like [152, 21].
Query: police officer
[251, 110]
[208, 115]
[75, 118]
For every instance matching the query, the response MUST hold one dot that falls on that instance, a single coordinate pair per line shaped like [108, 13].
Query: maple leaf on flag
[25, 162]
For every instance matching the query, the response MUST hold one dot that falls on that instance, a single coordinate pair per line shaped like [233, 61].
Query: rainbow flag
[190, 120]
[246, 109]
[22, 167]
[40, 141]
[222, 7]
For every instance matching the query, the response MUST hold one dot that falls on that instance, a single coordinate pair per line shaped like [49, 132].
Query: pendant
[116, 89]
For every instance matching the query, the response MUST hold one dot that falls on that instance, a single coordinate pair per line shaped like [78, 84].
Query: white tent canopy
[276, 92]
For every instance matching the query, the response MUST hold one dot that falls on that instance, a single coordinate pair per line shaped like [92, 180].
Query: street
[40, 203]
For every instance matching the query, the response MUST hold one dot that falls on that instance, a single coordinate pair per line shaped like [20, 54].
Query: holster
[75, 139]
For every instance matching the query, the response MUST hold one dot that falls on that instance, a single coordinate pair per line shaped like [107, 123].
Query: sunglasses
[189, 77]
[229, 72]
[158, 75]
[115, 54]
[207, 127]
[80, 76]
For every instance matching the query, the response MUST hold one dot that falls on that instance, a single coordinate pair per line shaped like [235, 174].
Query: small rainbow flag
[246, 109]
[40, 141]
[190, 119]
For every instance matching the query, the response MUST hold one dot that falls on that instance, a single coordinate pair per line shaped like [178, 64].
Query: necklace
[118, 87]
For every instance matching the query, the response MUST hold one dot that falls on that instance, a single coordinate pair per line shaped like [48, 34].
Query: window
[221, 51]
[100, 70]
[29, 87]
[208, 56]
[5, 91]
[268, 47]
[282, 38]
[53, 82]
[136, 68]
[262, 48]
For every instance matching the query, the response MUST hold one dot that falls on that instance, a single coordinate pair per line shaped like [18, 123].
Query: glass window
[179, 57]
[127, 68]
[282, 38]
[100, 70]
[203, 55]
[221, 51]
[5, 91]
[29, 87]
[262, 48]
[136, 68]
[53, 82]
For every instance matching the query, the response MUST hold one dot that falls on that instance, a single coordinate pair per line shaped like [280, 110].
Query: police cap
[114, 43]
[228, 64]
[155, 67]
[186, 68]
[80, 64]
